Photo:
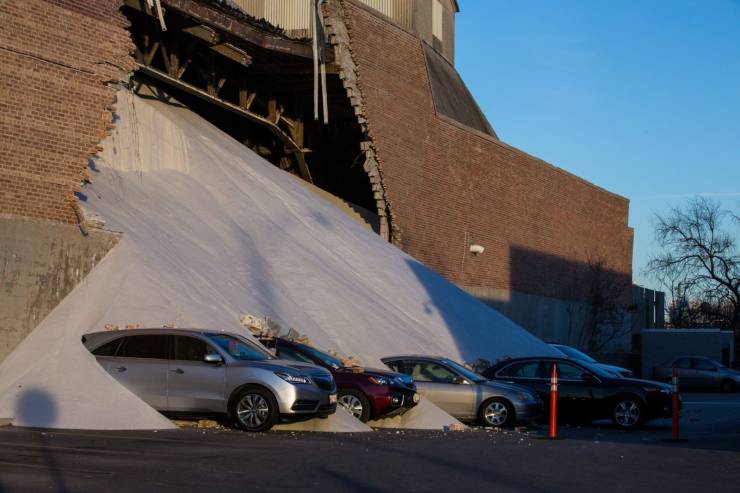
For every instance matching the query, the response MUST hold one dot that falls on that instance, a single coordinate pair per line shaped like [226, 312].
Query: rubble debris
[111, 327]
[351, 362]
[202, 424]
[261, 328]
[133, 326]
[454, 427]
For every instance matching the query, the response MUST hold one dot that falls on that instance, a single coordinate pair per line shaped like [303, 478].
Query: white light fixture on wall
[476, 249]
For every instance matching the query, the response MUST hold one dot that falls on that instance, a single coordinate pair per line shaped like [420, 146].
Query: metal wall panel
[294, 16]
[401, 11]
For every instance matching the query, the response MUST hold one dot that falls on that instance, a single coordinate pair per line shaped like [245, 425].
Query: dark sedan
[365, 392]
[587, 392]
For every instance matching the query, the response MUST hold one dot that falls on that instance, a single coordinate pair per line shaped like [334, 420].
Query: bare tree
[606, 292]
[697, 242]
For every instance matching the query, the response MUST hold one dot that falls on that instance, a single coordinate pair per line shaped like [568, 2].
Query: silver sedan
[466, 395]
[197, 372]
[699, 372]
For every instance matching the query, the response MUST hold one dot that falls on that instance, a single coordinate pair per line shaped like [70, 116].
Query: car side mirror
[459, 380]
[587, 377]
[213, 358]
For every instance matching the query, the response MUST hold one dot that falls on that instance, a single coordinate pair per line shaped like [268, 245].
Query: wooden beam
[232, 52]
[286, 139]
[207, 34]
[142, 6]
[150, 56]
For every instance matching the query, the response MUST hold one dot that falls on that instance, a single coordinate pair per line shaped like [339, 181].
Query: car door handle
[179, 371]
[121, 368]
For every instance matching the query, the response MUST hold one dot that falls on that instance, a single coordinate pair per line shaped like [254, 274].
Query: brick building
[405, 140]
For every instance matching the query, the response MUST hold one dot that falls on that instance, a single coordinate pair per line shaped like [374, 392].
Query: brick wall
[451, 187]
[55, 57]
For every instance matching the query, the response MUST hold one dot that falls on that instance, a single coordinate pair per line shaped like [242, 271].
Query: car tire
[356, 403]
[497, 412]
[254, 409]
[728, 386]
[628, 412]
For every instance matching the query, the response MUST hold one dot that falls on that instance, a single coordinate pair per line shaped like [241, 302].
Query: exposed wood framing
[211, 95]
[339, 38]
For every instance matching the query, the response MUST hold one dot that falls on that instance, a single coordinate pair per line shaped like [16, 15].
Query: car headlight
[380, 380]
[294, 379]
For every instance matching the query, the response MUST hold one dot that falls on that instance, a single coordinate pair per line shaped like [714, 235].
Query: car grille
[303, 405]
[324, 382]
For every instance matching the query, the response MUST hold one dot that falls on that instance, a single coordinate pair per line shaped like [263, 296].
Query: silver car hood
[282, 365]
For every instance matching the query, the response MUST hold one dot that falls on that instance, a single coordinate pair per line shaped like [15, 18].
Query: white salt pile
[212, 231]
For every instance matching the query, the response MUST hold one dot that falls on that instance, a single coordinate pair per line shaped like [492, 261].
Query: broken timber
[297, 150]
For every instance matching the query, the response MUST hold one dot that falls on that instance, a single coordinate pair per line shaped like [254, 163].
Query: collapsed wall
[57, 58]
[212, 231]
[451, 186]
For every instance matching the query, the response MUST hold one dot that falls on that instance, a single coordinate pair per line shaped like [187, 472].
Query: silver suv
[197, 372]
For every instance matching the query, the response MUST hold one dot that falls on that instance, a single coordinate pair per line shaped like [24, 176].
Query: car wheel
[728, 386]
[496, 412]
[255, 409]
[356, 403]
[628, 412]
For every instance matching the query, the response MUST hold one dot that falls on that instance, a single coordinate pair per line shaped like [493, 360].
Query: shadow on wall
[477, 331]
[554, 297]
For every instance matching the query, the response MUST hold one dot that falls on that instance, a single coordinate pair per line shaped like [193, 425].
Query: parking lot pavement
[708, 421]
[197, 460]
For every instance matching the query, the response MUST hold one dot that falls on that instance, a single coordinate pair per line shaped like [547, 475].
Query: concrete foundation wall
[40, 263]
[550, 319]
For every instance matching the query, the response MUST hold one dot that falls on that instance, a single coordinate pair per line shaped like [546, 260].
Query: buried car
[466, 395]
[586, 391]
[367, 393]
[197, 372]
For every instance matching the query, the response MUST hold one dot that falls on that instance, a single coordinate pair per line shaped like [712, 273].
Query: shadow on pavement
[37, 406]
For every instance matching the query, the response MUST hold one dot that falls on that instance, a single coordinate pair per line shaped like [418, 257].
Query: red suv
[366, 393]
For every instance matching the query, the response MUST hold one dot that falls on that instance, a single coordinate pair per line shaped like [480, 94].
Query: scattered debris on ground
[202, 424]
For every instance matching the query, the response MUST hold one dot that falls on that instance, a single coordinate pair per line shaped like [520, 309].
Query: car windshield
[325, 358]
[239, 348]
[574, 353]
[468, 374]
[598, 371]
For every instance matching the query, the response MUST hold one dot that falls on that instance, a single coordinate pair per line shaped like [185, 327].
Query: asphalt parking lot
[587, 458]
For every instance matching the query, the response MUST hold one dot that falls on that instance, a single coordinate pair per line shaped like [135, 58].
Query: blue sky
[641, 97]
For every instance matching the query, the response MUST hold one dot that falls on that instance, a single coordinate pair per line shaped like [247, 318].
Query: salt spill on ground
[212, 231]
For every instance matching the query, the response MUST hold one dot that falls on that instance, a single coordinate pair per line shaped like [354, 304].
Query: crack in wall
[339, 37]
